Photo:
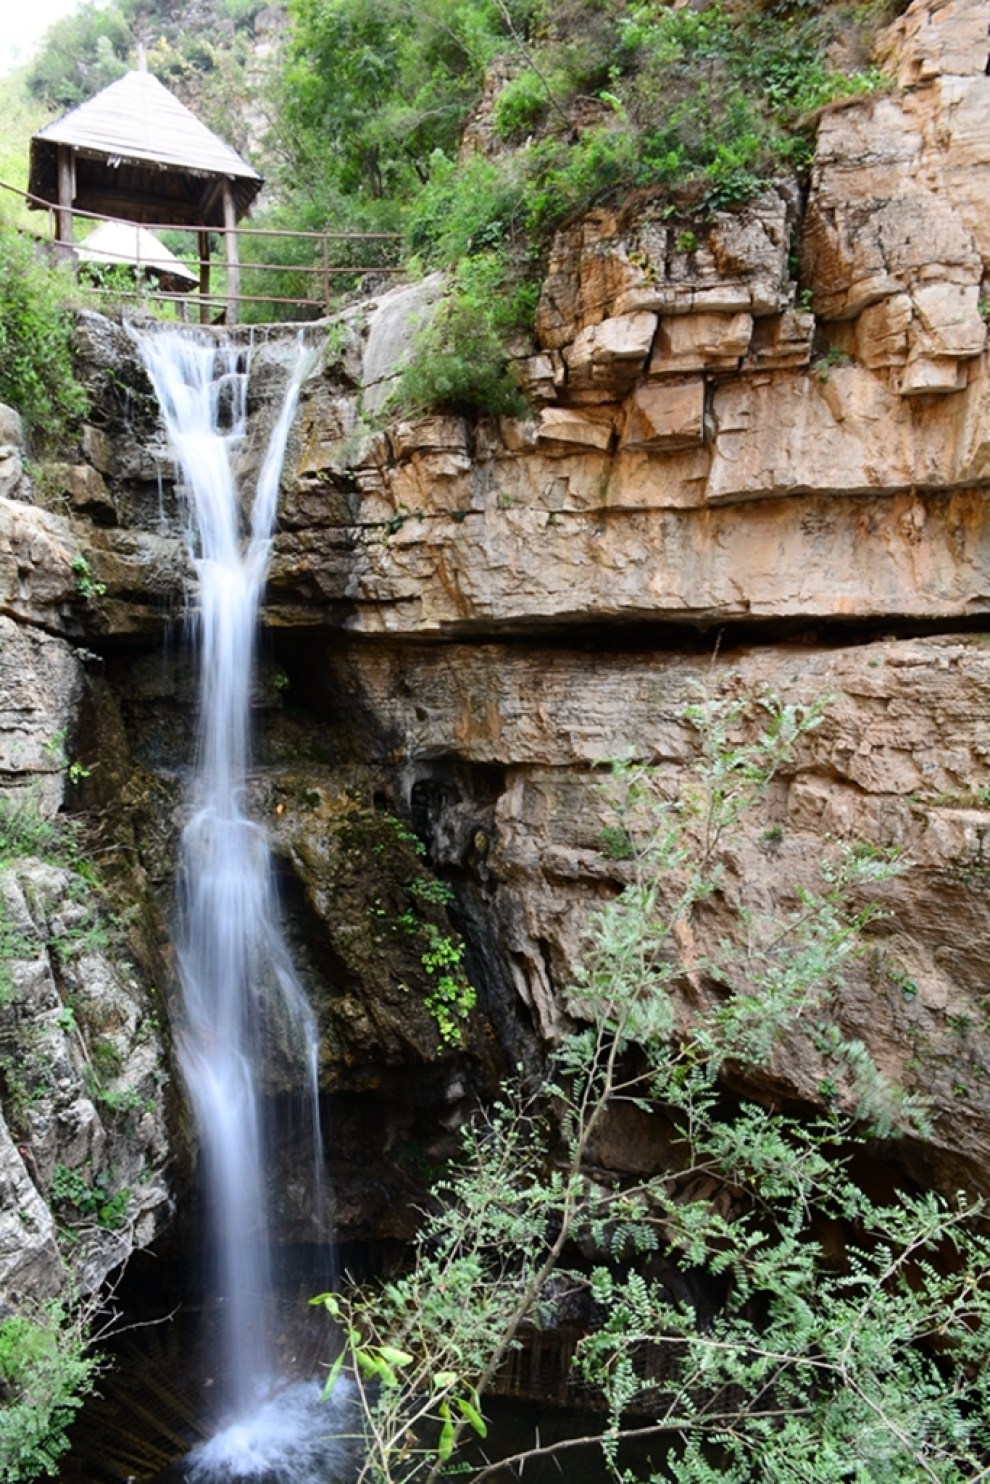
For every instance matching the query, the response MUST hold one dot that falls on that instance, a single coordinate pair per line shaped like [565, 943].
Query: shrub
[45, 1371]
[36, 372]
[459, 358]
[520, 105]
[465, 209]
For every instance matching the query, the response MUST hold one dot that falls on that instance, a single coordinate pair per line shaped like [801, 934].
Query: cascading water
[241, 996]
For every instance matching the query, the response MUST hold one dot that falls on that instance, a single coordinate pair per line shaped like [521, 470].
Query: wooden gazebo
[135, 153]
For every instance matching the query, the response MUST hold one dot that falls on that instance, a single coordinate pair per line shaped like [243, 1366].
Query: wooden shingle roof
[134, 139]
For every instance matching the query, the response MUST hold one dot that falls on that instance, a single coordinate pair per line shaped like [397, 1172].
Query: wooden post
[326, 273]
[66, 192]
[204, 277]
[233, 260]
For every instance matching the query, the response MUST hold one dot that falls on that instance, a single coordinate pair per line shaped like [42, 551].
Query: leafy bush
[377, 86]
[24, 830]
[459, 358]
[566, 178]
[36, 373]
[520, 105]
[45, 1371]
[472, 208]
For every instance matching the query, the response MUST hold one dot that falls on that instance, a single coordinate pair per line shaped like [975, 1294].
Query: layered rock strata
[771, 422]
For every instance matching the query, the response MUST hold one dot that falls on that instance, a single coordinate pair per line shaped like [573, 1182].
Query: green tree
[374, 87]
[82, 53]
[36, 372]
[789, 1358]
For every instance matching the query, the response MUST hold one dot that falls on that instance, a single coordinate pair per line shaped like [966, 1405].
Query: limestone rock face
[770, 425]
[902, 759]
[83, 1138]
[37, 584]
[899, 201]
[41, 683]
[711, 440]
[11, 452]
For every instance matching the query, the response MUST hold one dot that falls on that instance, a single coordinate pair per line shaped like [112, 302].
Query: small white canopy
[135, 247]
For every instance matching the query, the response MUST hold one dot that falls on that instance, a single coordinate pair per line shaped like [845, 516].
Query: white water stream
[241, 996]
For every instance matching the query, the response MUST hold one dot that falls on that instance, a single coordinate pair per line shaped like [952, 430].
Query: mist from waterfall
[241, 997]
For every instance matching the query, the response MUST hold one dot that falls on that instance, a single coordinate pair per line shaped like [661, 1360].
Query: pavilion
[134, 153]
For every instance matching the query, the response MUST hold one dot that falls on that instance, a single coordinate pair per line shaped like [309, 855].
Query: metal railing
[317, 274]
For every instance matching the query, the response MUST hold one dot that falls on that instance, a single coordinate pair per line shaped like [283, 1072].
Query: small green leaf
[473, 1416]
[395, 1357]
[334, 1373]
[445, 1444]
[443, 1379]
[329, 1302]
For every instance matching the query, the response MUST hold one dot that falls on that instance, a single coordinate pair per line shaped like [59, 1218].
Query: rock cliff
[758, 458]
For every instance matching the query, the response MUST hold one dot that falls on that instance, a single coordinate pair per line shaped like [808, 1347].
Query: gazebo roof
[142, 155]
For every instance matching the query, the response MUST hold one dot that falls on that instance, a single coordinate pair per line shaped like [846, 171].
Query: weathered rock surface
[902, 759]
[83, 1141]
[83, 1147]
[41, 683]
[713, 442]
[11, 453]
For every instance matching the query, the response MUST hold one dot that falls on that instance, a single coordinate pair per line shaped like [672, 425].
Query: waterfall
[241, 997]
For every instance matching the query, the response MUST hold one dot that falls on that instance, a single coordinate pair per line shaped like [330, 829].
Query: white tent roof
[135, 247]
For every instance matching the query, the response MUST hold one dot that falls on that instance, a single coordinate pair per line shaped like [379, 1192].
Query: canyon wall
[758, 460]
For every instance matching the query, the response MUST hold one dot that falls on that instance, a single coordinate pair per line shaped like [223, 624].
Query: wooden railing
[318, 273]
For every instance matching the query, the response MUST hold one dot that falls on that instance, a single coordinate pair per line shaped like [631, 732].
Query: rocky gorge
[757, 460]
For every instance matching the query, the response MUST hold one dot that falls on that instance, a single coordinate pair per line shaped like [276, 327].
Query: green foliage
[451, 998]
[476, 207]
[21, 116]
[82, 53]
[85, 586]
[738, 91]
[377, 95]
[566, 177]
[459, 359]
[94, 45]
[616, 843]
[77, 1201]
[36, 372]
[786, 1357]
[823, 365]
[45, 1371]
[521, 104]
[24, 830]
[374, 87]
